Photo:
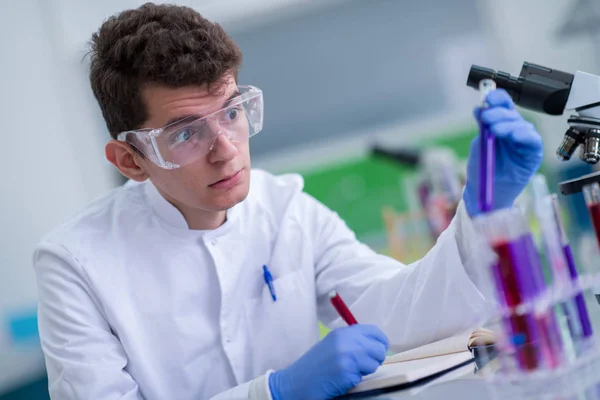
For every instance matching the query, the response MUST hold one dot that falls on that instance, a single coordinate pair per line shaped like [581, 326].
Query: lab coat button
[213, 242]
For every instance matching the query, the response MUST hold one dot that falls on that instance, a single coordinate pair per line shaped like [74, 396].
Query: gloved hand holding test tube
[503, 157]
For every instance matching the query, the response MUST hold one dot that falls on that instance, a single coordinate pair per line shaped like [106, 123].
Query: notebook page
[389, 375]
[451, 345]
[454, 344]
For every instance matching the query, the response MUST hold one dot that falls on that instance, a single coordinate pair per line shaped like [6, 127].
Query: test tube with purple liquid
[486, 154]
[518, 279]
[584, 318]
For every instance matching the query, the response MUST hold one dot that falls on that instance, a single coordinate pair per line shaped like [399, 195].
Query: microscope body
[584, 131]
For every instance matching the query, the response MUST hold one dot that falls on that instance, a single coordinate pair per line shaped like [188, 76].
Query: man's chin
[231, 200]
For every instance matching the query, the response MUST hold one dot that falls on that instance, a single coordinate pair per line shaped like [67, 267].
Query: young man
[158, 290]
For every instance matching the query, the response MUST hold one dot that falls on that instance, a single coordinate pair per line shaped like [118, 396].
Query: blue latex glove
[518, 151]
[333, 366]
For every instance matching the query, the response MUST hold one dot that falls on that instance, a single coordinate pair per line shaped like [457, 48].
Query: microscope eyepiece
[477, 74]
[537, 88]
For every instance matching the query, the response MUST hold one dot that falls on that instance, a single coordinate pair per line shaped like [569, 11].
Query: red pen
[342, 308]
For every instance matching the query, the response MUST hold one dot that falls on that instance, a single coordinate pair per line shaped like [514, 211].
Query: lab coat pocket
[281, 331]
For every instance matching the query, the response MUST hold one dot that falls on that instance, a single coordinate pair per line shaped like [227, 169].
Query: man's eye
[182, 136]
[232, 114]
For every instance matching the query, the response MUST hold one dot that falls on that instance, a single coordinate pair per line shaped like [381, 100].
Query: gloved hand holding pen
[333, 366]
[518, 152]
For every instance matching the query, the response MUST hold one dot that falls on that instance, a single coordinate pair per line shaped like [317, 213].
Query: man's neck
[198, 219]
[204, 220]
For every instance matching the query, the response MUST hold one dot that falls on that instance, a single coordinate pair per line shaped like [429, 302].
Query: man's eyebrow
[185, 117]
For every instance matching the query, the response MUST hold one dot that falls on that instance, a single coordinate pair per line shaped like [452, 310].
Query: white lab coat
[133, 304]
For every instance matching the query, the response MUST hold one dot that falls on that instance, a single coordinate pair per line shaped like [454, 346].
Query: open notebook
[425, 361]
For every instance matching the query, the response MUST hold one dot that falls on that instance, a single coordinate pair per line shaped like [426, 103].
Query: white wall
[52, 152]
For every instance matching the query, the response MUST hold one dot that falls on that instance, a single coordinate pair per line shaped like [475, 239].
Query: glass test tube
[591, 193]
[582, 311]
[550, 342]
[555, 256]
[519, 282]
[487, 159]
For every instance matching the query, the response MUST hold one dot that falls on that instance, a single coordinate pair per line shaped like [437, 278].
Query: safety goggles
[186, 140]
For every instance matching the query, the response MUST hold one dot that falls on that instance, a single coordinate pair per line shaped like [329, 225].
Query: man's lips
[228, 181]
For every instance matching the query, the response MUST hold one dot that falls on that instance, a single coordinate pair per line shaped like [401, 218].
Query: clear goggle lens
[185, 141]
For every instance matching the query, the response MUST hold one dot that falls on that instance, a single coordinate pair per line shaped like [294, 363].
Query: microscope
[551, 91]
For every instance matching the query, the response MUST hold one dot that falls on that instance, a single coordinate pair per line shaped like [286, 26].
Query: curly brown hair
[165, 44]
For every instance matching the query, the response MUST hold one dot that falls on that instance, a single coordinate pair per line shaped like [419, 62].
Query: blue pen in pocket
[269, 282]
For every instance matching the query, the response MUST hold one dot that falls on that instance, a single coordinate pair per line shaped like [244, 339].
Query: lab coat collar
[174, 222]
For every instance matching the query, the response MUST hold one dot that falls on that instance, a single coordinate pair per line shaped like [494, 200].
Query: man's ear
[126, 159]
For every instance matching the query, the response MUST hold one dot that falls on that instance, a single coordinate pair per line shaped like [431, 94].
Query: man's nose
[222, 148]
